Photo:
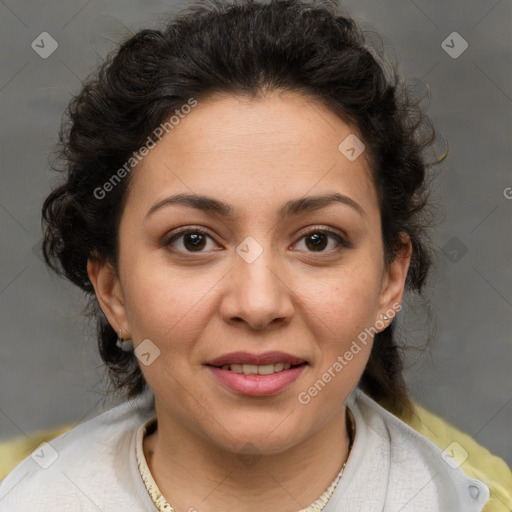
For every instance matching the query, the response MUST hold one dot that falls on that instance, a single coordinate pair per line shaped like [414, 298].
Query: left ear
[395, 274]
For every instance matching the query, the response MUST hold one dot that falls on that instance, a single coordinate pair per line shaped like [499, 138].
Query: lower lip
[257, 385]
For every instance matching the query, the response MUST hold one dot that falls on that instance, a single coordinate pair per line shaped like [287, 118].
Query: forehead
[256, 148]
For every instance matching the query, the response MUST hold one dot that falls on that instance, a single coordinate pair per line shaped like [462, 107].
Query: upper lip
[257, 359]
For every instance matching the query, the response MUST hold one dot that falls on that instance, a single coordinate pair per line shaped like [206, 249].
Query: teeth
[249, 369]
[252, 369]
[265, 369]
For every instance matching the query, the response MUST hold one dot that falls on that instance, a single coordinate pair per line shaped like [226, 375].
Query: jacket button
[474, 491]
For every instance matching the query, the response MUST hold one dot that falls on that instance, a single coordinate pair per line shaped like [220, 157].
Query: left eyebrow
[290, 208]
[310, 203]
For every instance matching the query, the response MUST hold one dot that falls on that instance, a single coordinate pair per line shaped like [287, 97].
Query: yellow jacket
[474, 459]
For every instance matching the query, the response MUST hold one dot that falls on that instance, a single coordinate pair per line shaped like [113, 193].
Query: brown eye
[189, 241]
[194, 241]
[321, 239]
[317, 241]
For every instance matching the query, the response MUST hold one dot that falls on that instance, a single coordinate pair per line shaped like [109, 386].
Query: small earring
[124, 345]
[385, 317]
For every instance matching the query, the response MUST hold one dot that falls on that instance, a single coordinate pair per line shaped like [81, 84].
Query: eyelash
[316, 230]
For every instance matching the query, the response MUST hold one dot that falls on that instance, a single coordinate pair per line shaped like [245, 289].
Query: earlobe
[109, 293]
[395, 277]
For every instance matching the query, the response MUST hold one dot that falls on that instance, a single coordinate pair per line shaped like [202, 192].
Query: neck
[194, 473]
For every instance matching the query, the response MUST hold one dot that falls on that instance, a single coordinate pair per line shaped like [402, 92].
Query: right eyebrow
[201, 202]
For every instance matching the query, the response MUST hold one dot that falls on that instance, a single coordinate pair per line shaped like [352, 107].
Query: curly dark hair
[242, 48]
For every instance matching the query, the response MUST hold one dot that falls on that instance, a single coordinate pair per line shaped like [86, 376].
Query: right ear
[109, 293]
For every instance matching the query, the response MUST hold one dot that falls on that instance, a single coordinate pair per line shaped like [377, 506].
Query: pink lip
[258, 359]
[257, 385]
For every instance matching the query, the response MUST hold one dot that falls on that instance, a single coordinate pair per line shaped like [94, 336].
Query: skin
[255, 154]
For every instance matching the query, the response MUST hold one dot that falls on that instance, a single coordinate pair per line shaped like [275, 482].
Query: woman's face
[258, 256]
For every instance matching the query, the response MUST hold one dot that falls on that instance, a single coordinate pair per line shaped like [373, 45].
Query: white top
[162, 505]
[93, 467]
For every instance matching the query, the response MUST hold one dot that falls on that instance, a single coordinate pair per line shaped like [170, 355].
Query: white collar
[394, 468]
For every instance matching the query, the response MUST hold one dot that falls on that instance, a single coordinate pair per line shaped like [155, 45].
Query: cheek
[341, 310]
[345, 302]
[167, 306]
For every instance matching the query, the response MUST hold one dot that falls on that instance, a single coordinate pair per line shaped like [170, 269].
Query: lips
[259, 385]
[266, 358]
[257, 375]
[253, 369]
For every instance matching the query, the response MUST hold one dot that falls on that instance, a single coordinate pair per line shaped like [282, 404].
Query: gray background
[49, 370]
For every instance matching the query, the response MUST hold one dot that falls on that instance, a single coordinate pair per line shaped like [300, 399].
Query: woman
[245, 202]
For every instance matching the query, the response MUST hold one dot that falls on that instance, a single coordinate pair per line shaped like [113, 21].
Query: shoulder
[420, 473]
[81, 466]
[476, 460]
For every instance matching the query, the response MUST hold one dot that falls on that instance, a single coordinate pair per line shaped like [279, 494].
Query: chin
[268, 439]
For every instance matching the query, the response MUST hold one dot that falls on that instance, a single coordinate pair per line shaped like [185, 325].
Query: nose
[257, 293]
